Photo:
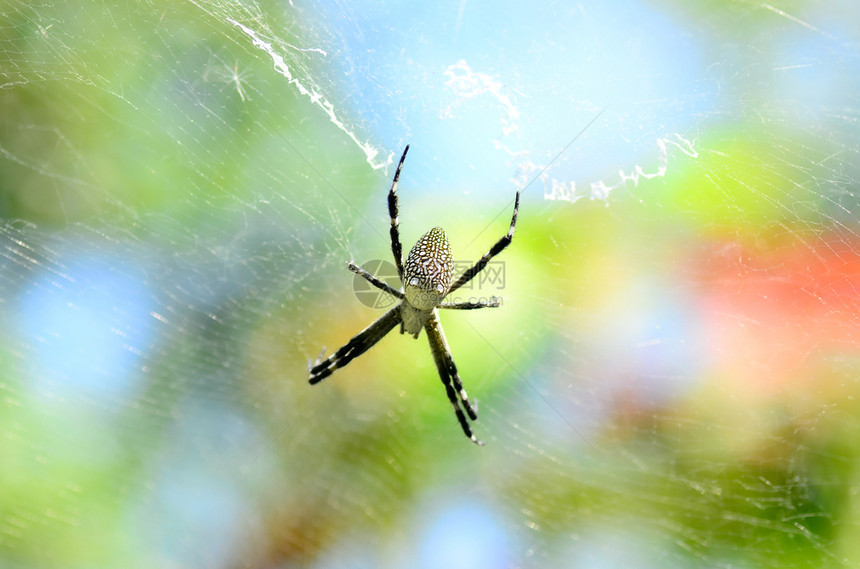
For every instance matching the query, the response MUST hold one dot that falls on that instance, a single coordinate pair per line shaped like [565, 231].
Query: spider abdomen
[429, 270]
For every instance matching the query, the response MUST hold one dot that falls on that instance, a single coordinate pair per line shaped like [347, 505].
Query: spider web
[671, 380]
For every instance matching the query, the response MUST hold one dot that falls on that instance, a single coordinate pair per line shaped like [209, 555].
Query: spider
[427, 275]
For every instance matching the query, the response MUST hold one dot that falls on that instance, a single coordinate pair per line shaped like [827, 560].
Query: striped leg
[382, 285]
[450, 378]
[494, 250]
[393, 212]
[356, 346]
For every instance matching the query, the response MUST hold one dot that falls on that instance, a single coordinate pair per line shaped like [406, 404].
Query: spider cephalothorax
[426, 279]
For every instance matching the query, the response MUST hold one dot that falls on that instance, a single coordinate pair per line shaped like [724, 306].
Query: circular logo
[371, 296]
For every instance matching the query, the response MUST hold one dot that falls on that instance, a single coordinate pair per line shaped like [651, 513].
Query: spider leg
[359, 344]
[375, 281]
[494, 250]
[450, 377]
[393, 212]
[493, 302]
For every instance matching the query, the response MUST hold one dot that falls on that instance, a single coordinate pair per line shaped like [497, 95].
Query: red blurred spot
[772, 316]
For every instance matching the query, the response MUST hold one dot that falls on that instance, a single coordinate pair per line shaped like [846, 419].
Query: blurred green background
[671, 381]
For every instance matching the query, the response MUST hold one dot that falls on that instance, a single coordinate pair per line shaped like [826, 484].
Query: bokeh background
[672, 380]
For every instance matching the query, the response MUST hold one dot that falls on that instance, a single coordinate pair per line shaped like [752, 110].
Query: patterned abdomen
[429, 270]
